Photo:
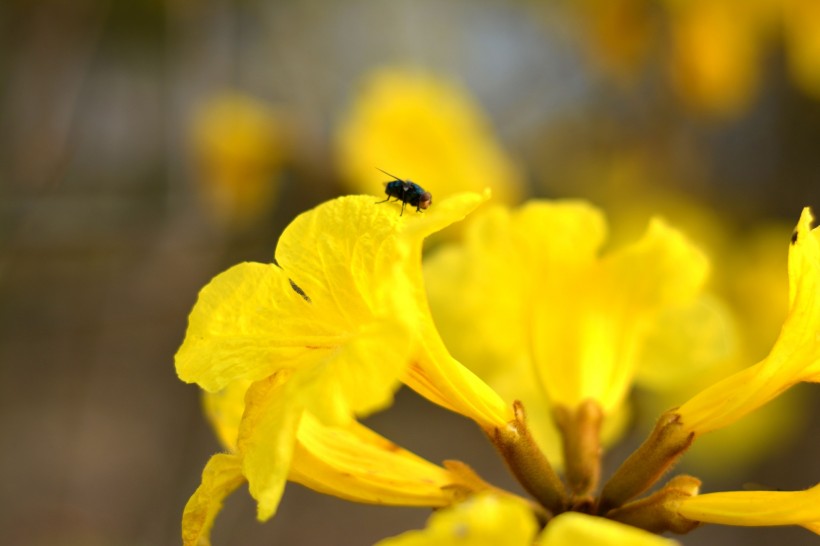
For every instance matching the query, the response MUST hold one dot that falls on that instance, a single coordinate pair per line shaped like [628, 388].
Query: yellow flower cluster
[290, 354]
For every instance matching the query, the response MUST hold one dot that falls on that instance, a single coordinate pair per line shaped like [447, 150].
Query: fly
[407, 191]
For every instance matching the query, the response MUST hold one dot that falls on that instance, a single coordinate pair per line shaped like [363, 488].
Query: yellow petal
[435, 374]
[481, 291]
[222, 475]
[576, 529]
[356, 464]
[359, 377]
[450, 210]
[795, 356]
[342, 253]
[624, 295]
[224, 410]
[754, 508]
[350, 462]
[266, 439]
[236, 329]
[443, 380]
[483, 520]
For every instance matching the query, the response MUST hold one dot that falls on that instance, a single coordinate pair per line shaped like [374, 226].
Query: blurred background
[146, 146]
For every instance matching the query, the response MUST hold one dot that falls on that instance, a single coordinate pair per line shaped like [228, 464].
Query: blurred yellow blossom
[715, 52]
[240, 144]
[618, 35]
[801, 28]
[425, 128]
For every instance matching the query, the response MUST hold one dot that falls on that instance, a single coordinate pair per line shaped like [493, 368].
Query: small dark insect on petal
[794, 237]
[408, 192]
[299, 290]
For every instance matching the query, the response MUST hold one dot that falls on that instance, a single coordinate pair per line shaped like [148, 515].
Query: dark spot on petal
[299, 290]
[794, 237]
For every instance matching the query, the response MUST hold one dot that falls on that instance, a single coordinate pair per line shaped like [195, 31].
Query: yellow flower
[327, 331]
[239, 144]
[530, 304]
[417, 126]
